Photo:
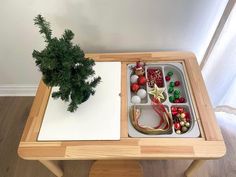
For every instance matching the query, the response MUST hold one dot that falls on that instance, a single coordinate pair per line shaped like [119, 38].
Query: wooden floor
[13, 115]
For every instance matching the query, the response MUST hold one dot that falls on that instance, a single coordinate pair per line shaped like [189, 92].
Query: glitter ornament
[184, 129]
[180, 109]
[174, 109]
[176, 96]
[134, 79]
[177, 83]
[176, 101]
[178, 132]
[182, 115]
[155, 76]
[135, 99]
[142, 93]
[182, 100]
[171, 99]
[171, 84]
[176, 92]
[177, 126]
[170, 73]
[142, 80]
[182, 123]
[174, 113]
[135, 87]
[157, 93]
[170, 89]
[187, 124]
[167, 78]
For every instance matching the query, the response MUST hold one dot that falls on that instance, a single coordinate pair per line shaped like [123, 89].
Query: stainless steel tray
[148, 116]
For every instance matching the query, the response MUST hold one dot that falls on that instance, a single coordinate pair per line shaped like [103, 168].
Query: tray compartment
[132, 93]
[149, 116]
[150, 119]
[176, 77]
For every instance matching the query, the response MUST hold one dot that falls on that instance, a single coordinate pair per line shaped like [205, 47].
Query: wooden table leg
[193, 167]
[53, 166]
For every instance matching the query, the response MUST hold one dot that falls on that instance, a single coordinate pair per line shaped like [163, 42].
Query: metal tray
[148, 116]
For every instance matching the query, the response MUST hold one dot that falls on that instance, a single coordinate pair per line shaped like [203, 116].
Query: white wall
[103, 26]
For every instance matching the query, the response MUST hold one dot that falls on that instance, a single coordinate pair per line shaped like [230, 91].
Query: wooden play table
[209, 146]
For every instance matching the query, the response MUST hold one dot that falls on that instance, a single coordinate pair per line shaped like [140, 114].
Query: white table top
[96, 119]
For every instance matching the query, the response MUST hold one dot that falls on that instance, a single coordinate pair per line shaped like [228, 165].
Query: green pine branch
[64, 65]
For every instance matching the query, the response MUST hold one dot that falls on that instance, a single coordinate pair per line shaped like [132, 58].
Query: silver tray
[148, 116]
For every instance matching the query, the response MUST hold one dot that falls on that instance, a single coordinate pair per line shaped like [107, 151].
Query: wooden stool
[122, 168]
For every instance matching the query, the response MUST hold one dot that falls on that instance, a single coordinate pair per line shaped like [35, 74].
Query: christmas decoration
[171, 99]
[135, 99]
[142, 93]
[170, 73]
[177, 126]
[135, 87]
[177, 101]
[155, 76]
[170, 90]
[171, 84]
[142, 80]
[134, 79]
[163, 127]
[181, 123]
[63, 64]
[167, 78]
[178, 132]
[139, 68]
[182, 100]
[157, 93]
[176, 92]
[176, 96]
[177, 83]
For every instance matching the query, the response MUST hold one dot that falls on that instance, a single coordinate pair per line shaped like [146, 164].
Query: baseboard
[18, 90]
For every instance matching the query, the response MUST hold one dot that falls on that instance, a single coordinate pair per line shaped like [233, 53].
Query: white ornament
[134, 79]
[136, 99]
[142, 93]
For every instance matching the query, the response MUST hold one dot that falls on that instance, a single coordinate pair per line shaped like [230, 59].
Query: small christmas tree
[64, 65]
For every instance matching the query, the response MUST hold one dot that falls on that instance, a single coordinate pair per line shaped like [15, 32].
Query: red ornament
[180, 109]
[187, 119]
[174, 113]
[167, 78]
[142, 80]
[182, 100]
[177, 83]
[173, 109]
[135, 87]
[176, 101]
[177, 126]
[187, 116]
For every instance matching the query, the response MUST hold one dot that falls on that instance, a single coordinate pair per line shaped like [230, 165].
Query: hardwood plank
[210, 127]
[124, 113]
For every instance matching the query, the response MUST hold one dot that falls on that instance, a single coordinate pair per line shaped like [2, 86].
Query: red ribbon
[160, 109]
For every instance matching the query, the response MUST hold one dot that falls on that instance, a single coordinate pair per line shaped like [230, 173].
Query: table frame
[209, 146]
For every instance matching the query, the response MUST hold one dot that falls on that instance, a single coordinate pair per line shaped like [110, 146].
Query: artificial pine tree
[64, 65]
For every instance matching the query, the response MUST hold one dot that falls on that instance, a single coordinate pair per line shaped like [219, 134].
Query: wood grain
[54, 167]
[116, 169]
[124, 113]
[210, 145]
[207, 117]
